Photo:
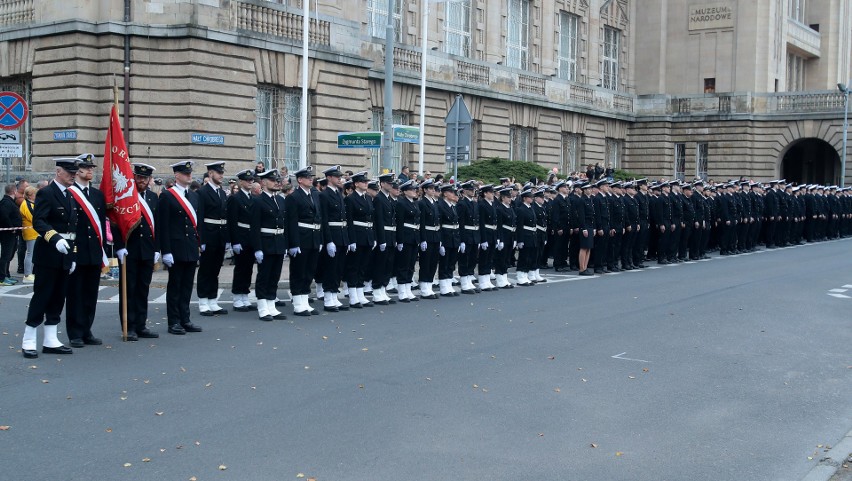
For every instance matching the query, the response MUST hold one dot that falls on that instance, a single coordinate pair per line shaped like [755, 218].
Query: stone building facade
[563, 83]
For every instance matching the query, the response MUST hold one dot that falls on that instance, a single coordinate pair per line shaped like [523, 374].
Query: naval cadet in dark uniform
[139, 254]
[83, 283]
[177, 228]
[268, 237]
[468, 211]
[451, 244]
[488, 237]
[215, 239]
[304, 225]
[336, 238]
[640, 247]
[384, 223]
[362, 240]
[408, 240]
[560, 223]
[506, 227]
[55, 220]
[239, 208]
[430, 238]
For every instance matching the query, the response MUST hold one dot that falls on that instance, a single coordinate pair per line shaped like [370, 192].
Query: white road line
[839, 296]
[848, 286]
[838, 290]
[618, 356]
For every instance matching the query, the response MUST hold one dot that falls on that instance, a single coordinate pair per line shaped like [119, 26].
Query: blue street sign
[13, 110]
[208, 139]
[63, 135]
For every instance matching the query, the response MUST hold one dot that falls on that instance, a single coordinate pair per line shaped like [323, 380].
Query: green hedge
[625, 175]
[490, 170]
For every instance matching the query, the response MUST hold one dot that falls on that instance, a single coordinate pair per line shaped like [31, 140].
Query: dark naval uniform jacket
[55, 214]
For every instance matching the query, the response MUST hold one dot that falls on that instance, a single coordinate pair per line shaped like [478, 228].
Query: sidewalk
[226, 276]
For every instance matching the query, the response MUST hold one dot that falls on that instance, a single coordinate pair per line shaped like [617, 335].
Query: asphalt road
[729, 369]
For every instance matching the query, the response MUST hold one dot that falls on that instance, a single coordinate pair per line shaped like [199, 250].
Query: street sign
[359, 140]
[63, 135]
[406, 133]
[458, 134]
[208, 139]
[10, 137]
[11, 150]
[13, 110]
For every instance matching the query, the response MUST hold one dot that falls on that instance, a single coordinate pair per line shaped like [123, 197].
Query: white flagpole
[425, 42]
[303, 124]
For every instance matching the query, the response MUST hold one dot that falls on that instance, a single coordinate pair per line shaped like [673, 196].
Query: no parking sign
[13, 110]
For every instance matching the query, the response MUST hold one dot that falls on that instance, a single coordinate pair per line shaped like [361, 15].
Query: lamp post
[423, 52]
[845, 91]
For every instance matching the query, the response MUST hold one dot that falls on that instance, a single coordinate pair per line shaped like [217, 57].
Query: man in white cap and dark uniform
[239, 207]
[215, 239]
[304, 224]
[335, 237]
[269, 240]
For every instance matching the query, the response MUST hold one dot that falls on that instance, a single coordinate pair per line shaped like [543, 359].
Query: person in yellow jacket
[29, 234]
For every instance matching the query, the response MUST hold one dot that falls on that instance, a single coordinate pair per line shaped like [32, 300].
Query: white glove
[484, 246]
[374, 245]
[62, 246]
[227, 245]
[423, 246]
[258, 256]
[351, 247]
[237, 248]
[514, 244]
[294, 251]
[203, 247]
[462, 247]
[520, 245]
[383, 246]
[157, 257]
[331, 249]
[441, 250]
[168, 260]
[121, 254]
[399, 247]
[500, 245]
[73, 266]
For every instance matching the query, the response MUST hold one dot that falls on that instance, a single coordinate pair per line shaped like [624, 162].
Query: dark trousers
[447, 263]
[467, 261]
[82, 301]
[332, 268]
[8, 246]
[22, 252]
[614, 249]
[526, 257]
[742, 235]
[357, 264]
[208, 271]
[501, 258]
[560, 249]
[574, 251]
[429, 262]
[663, 241]
[268, 275]
[674, 241]
[302, 269]
[179, 292]
[627, 242]
[404, 262]
[48, 299]
[685, 239]
[486, 260]
[382, 265]
[770, 232]
[599, 253]
[138, 273]
[641, 244]
[243, 267]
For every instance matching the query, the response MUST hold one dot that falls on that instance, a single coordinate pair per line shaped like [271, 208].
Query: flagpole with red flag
[119, 189]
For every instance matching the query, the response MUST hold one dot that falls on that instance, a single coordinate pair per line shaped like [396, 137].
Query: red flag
[117, 182]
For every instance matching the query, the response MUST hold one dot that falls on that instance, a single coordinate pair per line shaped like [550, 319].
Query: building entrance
[811, 161]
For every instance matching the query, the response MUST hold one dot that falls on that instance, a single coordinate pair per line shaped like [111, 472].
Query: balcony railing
[803, 37]
[15, 12]
[531, 84]
[274, 20]
[741, 104]
[406, 59]
[471, 72]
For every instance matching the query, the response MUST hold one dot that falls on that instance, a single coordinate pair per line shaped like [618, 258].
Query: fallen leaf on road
[222, 467]
[5, 428]
[551, 357]
[645, 369]
[594, 445]
[44, 381]
[557, 390]
[631, 377]
[159, 413]
[618, 453]
[182, 369]
[109, 430]
[300, 475]
[541, 435]
[33, 367]
[208, 384]
[127, 465]
[146, 460]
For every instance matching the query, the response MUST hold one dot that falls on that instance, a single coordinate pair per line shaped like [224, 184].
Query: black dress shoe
[266, 318]
[132, 337]
[391, 291]
[587, 272]
[367, 304]
[280, 303]
[243, 309]
[92, 341]
[206, 313]
[356, 306]
[414, 299]
[147, 334]
[219, 312]
[190, 327]
[431, 296]
[508, 286]
[303, 313]
[468, 291]
[455, 294]
[57, 350]
[30, 353]
[78, 343]
[177, 330]
[391, 301]
[330, 309]
[343, 308]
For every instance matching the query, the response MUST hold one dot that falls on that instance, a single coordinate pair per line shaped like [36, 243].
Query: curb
[830, 463]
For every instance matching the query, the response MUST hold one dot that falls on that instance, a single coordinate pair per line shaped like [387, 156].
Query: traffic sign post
[458, 129]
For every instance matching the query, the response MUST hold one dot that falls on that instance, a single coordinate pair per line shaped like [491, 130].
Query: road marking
[618, 356]
[839, 296]
[838, 290]
[848, 286]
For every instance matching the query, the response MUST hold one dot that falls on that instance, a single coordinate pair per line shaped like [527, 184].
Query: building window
[521, 143]
[517, 43]
[569, 153]
[24, 133]
[377, 18]
[680, 161]
[701, 157]
[613, 153]
[279, 114]
[457, 26]
[709, 85]
[609, 65]
[568, 35]
[400, 149]
[795, 73]
[797, 10]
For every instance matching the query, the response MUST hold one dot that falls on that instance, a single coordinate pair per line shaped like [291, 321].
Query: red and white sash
[89, 209]
[146, 212]
[187, 207]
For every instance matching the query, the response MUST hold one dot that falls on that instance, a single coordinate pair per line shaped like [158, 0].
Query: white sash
[92, 214]
[146, 210]
[186, 207]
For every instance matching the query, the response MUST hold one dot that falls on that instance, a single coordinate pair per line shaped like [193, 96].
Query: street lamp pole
[424, 45]
[843, 88]
[387, 141]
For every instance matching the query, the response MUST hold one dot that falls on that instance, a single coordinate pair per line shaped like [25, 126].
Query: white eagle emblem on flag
[122, 187]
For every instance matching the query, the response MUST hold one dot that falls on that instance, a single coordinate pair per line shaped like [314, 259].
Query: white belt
[492, 227]
[244, 226]
[509, 228]
[309, 226]
[216, 221]
[390, 228]
[264, 230]
[337, 224]
[526, 227]
[450, 226]
[433, 228]
[412, 226]
[362, 224]
[472, 227]
[541, 228]
[70, 236]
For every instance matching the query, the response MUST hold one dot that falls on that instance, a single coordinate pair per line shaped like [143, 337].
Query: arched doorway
[811, 161]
